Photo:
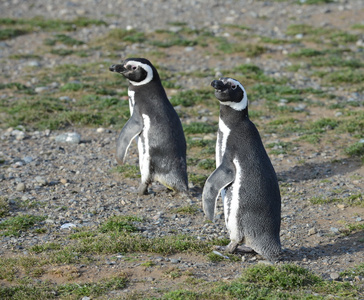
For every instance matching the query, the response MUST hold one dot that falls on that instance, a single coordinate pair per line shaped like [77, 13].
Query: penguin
[244, 176]
[157, 127]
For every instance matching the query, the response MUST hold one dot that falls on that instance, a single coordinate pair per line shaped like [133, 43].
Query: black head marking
[139, 71]
[230, 92]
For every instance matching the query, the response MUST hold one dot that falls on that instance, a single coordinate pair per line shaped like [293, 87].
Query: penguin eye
[233, 86]
[134, 68]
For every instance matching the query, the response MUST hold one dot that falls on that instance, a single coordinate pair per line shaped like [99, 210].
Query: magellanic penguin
[244, 176]
[161, 141]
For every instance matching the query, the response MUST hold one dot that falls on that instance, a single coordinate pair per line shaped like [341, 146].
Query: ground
[71, 222]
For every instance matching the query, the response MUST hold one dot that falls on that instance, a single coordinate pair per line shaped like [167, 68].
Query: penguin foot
[143, 189]
[231, 248]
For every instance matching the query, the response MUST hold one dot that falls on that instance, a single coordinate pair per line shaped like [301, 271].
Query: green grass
[63, 39]
[279, 148]
[198, 127]
[186, 210]
[48, 290]
[353, 227]
[14, 226]
[285, 277]
[42, 23]
[346, 75]
[197, 179]
[10, 33]
[128, 171]
[352, 200]
[356, 149]
[45, 112]
[306, 52]
[120, 224]
[45, 247]
[207, 164]
[191, 97]
[270, 282]
[4, 207]
[356, 271]
[358, 26]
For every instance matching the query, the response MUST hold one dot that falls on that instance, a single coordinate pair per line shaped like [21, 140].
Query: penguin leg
[218, 180]
[232, 246]
[143, 189]
[131, 129]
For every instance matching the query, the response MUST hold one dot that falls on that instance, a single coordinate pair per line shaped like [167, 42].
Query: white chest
[131, 95]
[222, 137]
[231, 204]
[143, 148]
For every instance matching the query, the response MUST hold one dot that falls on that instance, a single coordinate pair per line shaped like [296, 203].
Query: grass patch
[199, 142]
[356, 271]
[352, 200]
[14, 226]
[186, 210]
[44, 112]
[280, 147]
[10, 33]
[47, 290]
[311, 138]
[207, 164]
[118, 240]
[356, 149]
[45, 247]
[353, 227]
[63, 39]
[121, 224]
[4, 207]
[286, 277]
[128, 171]
[342, 76]
[250, 50]
[198, 127]
[358, 26]
[191, 97]
[306, 52]
[197, 179]
[280, 282]
[42, 23]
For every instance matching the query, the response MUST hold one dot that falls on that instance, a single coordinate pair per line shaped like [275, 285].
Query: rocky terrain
[76, 185]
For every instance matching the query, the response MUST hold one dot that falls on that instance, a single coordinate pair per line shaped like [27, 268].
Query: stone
[20, 187]
[334, 276]
[40, 180]
[334, 230]
[312, 231]
[174, 261]
[41, 89]
[69, 137]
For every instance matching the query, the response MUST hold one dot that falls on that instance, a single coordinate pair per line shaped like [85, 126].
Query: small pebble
[174, 261]
[312, 231]
[69, 137]
[334, 276]
[20, 187]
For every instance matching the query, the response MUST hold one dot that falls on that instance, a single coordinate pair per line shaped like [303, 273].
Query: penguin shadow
[342, 246]
[319, 170]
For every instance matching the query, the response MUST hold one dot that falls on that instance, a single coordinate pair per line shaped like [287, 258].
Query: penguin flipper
[131, 129]
[218, 180]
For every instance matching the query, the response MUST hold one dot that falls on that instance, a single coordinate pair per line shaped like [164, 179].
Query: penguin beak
[218, 85]
[117, 68]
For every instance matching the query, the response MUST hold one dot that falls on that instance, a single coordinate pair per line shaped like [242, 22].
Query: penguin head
[139, 71]
[230, 92]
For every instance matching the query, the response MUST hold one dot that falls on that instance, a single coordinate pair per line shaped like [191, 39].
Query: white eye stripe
[146, 67]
